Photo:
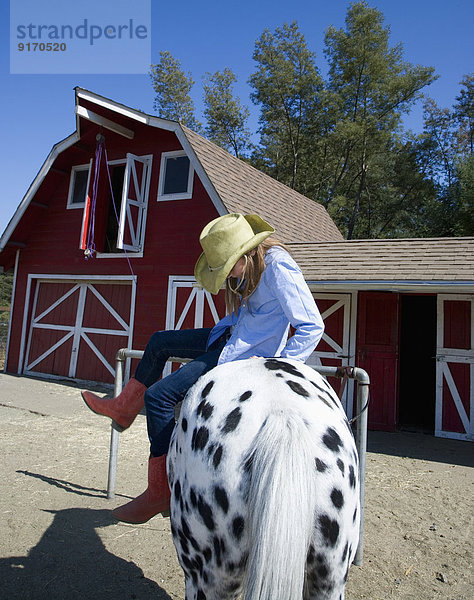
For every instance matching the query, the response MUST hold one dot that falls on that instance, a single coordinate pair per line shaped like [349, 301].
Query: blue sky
[38, 110]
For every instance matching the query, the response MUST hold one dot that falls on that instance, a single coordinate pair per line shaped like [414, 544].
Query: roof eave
[396, 285]
[20, 211]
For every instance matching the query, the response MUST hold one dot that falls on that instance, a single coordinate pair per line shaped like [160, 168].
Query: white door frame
[344, 353]
[198, 296]
[445, 356]
[83, 284]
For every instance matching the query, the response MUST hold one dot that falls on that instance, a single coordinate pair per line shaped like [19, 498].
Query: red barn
[162, 184]
[401, 309]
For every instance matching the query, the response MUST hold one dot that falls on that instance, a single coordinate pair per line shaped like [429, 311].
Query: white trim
[159, 123]
[12, 304]
[198, 294]
[344, 353]
[73, 279]
[445, 356]
[401, 286]
[72, 180]
[85, 113]
[56, 150]
[142, 191]
[163, 163]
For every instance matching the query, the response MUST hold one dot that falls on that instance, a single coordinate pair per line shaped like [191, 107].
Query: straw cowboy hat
[225, 240]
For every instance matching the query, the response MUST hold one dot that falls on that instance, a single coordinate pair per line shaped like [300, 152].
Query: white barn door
[188, 305]
[455, 367]
[336, 349]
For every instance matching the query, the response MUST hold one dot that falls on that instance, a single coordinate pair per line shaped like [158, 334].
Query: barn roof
[385, 264]
[244, 189]
[232, 184]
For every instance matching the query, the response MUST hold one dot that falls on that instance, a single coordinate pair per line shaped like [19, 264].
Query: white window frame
[183, 195]
[137, 250]
[142, 188]
[72, 180]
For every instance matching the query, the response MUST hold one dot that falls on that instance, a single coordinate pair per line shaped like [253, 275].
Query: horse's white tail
[281, 505]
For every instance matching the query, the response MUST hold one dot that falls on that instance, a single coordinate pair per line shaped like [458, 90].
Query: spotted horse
[263, 472]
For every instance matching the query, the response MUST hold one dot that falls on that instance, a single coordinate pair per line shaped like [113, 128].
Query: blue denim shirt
[260, 328]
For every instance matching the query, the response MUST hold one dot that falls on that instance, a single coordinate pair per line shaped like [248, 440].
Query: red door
[455, 367]
[377, 353]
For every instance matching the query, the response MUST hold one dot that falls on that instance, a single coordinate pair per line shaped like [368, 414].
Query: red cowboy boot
[155, 499]
[124, 408]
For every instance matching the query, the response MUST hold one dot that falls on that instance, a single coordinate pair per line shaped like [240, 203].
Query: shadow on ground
[421, 447]
[70, 562]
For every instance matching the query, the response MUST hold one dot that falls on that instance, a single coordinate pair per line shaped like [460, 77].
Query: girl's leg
[162, 397]
[184, 343]
[160, 400]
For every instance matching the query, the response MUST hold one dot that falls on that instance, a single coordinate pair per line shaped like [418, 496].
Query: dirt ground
[57, 540]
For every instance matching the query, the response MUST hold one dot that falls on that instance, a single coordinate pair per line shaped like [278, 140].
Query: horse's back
[255, 439]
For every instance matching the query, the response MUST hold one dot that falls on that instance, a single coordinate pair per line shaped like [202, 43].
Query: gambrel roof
[232, 184]
[244, 189]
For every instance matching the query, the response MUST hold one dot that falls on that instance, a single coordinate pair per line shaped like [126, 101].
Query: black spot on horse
[216, 460]
[341, 465]
[177, 491]
[323, 571]
[184, 424]
[245, 396]
[205, 512]
[219, 549]
[193, 498]
[201, 595]
[279, 365]
[311, 557]
[325, 396]
[344, 552]
[200, 438]
[298, 388]
[354, 516]
[321, 466]
[332, 440]
[207, 389]
[337, 498]
[221, 498]
[352, 477]
[207, 553]
[238, 524]
[205, 410]
[329, 529]
[232, 420]
[233, 586]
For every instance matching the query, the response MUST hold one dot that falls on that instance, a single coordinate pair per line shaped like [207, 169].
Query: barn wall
[171, 237]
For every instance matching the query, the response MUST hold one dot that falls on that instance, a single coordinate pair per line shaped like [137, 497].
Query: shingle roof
[424, 260]
[244, 189]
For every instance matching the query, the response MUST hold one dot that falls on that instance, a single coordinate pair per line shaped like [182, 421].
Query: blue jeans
[162, 395]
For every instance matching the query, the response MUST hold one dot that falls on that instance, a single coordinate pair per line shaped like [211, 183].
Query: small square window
[176, 176]
[78, 186]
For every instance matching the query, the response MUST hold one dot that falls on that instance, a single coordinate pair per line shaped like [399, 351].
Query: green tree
[225, 116]
[370, 87]
[448, 148]
[286, 85]
[464, 114]
[172, 87]
[6, 286]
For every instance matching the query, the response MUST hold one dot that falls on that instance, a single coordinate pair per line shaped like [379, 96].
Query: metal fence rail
[359, 375]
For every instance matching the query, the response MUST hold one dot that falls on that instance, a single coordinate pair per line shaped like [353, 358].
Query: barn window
[176, 176]
[120, 209]
[78, 186]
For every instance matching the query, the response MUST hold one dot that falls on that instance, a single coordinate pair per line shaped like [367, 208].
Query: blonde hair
[234, 295]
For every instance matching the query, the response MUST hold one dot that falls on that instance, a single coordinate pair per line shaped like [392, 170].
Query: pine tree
[172, 87]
